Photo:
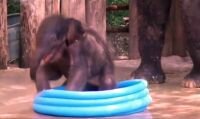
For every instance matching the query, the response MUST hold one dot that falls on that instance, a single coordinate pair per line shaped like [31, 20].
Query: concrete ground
[170, 100]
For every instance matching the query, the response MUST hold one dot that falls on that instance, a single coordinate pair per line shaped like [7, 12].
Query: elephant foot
[192, 80]
[150, 73]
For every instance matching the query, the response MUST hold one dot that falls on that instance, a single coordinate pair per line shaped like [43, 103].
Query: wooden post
[179, 42]
[73, 8]
[32, 13]
[169, 37]
[3, 35]
[96, 16]
[52, 7]
[133, 52]
[175, 39]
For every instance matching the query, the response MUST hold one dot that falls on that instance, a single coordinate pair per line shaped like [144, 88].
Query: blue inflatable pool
[130, 96]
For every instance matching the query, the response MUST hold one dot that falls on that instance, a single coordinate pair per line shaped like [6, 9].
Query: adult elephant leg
[153, 16]
[191, 19]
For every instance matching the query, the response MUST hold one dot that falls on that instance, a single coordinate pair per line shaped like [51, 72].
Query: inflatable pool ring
[130, 96]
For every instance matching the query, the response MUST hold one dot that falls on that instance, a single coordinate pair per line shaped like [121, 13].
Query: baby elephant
[65, 47]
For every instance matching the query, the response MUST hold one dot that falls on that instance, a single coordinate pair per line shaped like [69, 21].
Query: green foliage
[110, 2]
[13, 6]
[115, 18]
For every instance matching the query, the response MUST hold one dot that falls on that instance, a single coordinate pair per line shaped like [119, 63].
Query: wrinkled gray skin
[152, 22]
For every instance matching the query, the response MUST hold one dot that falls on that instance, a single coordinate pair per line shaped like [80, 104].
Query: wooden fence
[90, 12]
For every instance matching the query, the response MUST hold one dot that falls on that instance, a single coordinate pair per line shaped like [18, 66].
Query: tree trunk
[32, 13]
[96, 16]
[52, 7]
[133, 30]
[3, 34]
[73, 8]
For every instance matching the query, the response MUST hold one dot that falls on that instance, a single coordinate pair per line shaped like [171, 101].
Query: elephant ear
[50, 49]
[71, 32]
[75, 32]
[71, 35]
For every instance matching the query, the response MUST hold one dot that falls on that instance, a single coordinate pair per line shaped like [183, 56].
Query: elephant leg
[152, 19]
[191, 19]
